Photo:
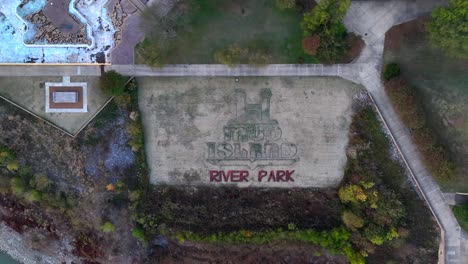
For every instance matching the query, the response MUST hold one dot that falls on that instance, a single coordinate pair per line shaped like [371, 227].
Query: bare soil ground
[224, 209]
[80, 168]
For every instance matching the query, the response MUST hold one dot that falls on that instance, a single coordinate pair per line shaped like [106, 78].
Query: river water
[6, 259]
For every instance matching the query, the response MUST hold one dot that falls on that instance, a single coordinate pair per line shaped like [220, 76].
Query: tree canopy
[448, 28]
[113, 83]
[326, 21]
[326, 14]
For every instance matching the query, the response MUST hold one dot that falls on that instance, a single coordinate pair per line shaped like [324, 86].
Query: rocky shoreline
[17, 246]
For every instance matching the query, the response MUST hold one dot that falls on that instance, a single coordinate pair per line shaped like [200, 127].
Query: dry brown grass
[411, 111]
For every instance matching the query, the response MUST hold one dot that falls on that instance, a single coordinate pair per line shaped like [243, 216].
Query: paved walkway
[347, 71]
[139, 4]
[131, 31]
[372, 20]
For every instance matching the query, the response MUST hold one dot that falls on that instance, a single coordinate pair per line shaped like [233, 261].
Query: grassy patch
[436, 83]
[196, 29]
[412, 112]
[335, 240]
[461, 213]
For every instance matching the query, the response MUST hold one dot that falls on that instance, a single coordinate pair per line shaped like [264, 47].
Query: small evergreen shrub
[108, 227]
[392, 70]
[113, 83]
[461, 213]
[139, 234]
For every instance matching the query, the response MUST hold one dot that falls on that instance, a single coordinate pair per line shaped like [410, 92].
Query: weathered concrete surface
[29, 92]
[347, 71]
[307, 120]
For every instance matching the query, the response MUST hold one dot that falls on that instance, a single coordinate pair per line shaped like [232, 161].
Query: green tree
[33, 196]
[6, 155]
[448, 28]
[375, 234]
[17, 186]
[139, 234]
[108, 227]
[392, 70]
[352, 193]
[389, 209]
[113, 83]
[324, 14]
[333, 45]
[326, 21]
[12, 167]
[352, 221]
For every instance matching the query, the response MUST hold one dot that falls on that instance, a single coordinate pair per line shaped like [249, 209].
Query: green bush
[139, 234]
[461, 213]
[136, 135]
[285, 4]
[336, 240]
[108, 227]
[12, 167]
[113, 83]
[325, 14]
[232, 55]
[17, 186]
[373, 209]
[444, 170]
[447, 29]
[326, 21]
[375, 234]
[33, 196]
[235, 54]
[352, 193]
[352, 221]
[6, 156]
[333, 45]
[392, 70]
[150, 52]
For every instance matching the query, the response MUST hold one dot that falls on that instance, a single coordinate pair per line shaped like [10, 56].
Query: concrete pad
[29, 92]
[16, 32]
[219, 130]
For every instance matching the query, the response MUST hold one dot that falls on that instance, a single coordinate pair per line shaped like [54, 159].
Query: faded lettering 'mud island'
[252, 139]
[275, 132]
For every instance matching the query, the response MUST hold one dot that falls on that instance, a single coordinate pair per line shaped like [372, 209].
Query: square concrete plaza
[247, 131]
[30, 93]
